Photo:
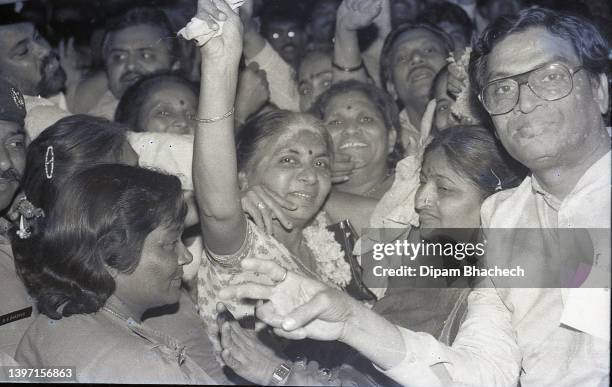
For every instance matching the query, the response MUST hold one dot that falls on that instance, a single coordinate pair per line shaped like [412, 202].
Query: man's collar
[597, 171]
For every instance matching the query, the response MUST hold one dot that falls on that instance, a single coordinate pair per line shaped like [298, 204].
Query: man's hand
[342, 168]
[299, 307]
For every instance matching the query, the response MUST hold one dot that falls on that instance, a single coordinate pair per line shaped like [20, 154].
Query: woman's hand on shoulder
[264, 207]
[227, 47]
[342, 168]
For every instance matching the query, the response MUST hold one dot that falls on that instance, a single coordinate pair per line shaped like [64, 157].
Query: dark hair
[473, 152]
[589, 44]
[450, 13]
[78, 142]
[393, 37]
[382, 100]
[150, 16]
[99, 220]
[266, 125]
[8, 15]
[128, 109]
[280, 10]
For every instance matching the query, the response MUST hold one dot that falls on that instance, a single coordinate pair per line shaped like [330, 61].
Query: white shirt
[281, 78]
[513, 335]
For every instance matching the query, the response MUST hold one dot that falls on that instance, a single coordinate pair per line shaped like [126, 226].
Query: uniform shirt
[107, 348]
[13, 298]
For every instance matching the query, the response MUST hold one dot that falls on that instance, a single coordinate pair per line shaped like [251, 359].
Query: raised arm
[280, 76]
[214, 157]
[352, 15]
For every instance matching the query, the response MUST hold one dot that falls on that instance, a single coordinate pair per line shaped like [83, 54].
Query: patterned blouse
[218, 271]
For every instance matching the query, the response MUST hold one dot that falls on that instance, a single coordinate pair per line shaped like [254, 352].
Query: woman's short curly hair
[98, 221]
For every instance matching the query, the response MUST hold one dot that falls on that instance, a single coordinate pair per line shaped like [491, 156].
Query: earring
[498, 187]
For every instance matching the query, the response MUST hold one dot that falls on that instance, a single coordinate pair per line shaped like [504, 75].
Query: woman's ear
[243, 181]
[601, 92]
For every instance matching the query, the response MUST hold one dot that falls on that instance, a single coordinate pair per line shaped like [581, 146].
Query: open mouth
[130, 78]
[421, 73]
[353, 144]
[304, 196]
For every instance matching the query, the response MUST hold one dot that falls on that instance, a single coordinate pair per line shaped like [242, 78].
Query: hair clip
[498, 187]
[27, 211]
[24, 231]
[49, 162]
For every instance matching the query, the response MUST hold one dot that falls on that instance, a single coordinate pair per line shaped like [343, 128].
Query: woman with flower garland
[281, 157]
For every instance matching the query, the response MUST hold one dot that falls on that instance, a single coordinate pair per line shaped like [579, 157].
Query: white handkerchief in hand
[199, 31]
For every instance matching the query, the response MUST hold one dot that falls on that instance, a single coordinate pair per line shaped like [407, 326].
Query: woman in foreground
[107, 250]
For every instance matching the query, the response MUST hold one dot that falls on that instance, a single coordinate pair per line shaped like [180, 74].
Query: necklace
[120, 316]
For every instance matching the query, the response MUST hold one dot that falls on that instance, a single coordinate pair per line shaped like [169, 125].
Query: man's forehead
[416, 37]
[10, 128]
[10, 31]
[315, 65]
[140, 36]
[283, 24]
[524, 51]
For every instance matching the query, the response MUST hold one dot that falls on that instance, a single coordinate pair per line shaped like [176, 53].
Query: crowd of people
[190, 190]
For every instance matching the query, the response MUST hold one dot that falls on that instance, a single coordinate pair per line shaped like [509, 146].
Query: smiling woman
[159, 103]
[280, 165]
[362, 120]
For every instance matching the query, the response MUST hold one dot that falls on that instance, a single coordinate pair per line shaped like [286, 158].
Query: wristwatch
[280, 375]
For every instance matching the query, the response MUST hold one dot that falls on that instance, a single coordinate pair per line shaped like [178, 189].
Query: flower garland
[463, 107]
[331, 265]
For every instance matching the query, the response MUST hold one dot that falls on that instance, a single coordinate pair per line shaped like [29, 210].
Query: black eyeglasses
[550, 82]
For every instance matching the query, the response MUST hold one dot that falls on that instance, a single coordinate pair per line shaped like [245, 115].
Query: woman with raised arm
[281, 158]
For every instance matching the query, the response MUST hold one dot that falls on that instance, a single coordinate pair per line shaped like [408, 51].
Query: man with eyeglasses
[542, 78]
